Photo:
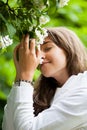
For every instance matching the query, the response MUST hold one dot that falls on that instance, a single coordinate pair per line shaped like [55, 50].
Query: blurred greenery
[72, 16]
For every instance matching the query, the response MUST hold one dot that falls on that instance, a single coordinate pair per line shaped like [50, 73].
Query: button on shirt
[68, 109]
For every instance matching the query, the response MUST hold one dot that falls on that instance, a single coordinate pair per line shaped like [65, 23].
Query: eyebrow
[45, 42]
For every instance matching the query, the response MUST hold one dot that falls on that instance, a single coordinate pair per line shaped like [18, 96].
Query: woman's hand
[29, 59]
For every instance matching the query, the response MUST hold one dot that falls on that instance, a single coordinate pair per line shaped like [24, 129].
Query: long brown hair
[76, 62]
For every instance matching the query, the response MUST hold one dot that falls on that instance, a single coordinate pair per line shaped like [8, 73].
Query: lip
[44, 63]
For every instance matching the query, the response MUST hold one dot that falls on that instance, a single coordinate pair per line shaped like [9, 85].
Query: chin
[46, 75]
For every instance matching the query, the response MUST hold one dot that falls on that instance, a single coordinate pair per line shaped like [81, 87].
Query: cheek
[60, 58]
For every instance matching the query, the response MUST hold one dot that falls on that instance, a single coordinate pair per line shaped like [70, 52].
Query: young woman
[58, 100]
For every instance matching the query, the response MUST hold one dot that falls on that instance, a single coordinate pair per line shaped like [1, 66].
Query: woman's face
[54, 60]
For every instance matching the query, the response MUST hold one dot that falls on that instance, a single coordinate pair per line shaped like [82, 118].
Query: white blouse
[68, 109]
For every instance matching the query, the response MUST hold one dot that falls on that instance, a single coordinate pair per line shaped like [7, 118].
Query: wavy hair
[76, 56]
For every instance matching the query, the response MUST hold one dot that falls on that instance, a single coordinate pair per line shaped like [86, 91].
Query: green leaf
[11, 29]
[1, 17]
[4, 1]
[12, 3]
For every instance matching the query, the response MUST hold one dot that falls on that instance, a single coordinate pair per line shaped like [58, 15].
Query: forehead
[46, 39]
[47, 42]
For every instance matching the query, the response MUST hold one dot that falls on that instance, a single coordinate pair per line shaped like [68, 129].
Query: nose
[42, 55]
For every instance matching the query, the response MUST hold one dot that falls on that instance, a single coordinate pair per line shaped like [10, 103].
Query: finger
[38, 53]
[22, 40]
[26, 42]
[32, 45]
[16, 53]
[38, 47]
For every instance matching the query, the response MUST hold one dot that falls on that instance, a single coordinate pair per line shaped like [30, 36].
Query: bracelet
[21, 80]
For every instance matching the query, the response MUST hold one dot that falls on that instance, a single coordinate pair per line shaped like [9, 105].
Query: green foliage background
[72, 16]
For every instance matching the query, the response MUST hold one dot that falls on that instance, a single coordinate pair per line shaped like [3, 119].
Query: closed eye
[47, 49]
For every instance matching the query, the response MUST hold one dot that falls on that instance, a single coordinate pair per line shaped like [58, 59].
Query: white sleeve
[18, 112]
[67, 112]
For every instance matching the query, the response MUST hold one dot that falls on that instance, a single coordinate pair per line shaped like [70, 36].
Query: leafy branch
[20, 16]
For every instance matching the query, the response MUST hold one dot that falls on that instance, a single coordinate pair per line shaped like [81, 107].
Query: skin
[54, 60]
[29, 58]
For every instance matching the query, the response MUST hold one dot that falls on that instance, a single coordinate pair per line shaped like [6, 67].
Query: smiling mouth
[44, 63]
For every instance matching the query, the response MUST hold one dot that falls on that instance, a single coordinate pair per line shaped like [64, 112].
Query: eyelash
[47, 49]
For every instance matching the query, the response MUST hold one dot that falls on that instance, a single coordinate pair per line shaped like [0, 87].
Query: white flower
[63, 3]
[40, 4]
[41, 61]
[44, 19]
[40, 35]
[30, 28]
[45, 34]
[5, 41]
[1, 42]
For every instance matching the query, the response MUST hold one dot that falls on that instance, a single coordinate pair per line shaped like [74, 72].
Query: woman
[59, 101]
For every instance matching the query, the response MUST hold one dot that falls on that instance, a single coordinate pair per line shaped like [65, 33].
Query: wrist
[26, 76]
[20, 81]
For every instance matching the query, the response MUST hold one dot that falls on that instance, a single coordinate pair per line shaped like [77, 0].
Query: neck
[62, 77]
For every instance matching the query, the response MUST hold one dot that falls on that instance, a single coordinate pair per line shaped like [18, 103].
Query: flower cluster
[5, 41]
[63, 3]
[40, 35]
[19, 17]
